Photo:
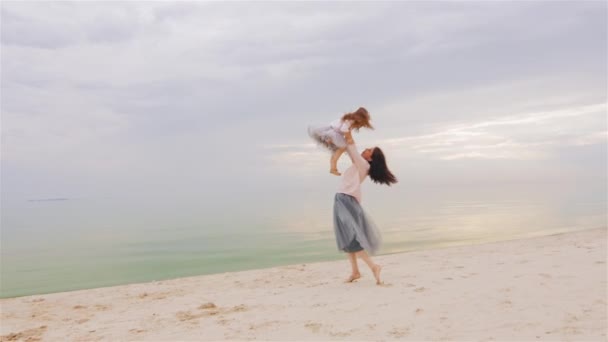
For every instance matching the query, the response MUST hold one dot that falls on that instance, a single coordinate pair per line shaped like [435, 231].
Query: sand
[537, 289]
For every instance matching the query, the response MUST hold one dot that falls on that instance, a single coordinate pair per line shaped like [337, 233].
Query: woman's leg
[352, 257]
[374, 267]
[334, 161]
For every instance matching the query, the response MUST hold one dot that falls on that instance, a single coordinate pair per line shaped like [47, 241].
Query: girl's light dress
[330, 136]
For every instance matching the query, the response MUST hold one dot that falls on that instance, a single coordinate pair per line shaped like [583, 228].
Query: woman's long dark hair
[378, 171]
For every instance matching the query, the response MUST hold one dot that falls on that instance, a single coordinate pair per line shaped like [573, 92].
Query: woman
[355, 232]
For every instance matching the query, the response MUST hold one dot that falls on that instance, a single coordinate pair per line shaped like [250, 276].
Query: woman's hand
[349, 138]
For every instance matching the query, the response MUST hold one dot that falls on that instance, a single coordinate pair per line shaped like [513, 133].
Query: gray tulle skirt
[354, 229]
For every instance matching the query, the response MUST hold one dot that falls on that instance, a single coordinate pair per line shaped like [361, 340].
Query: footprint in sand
[137, 331]
[26, 335]
[184, 316]
[79, 307]
[318, 284]
[209, 310]
[506, 303]
[314, 327]
[419, 311]
[238, 308]
[263, 325]
[341, 333]
[570, 330]
[207, 306]
[223, 321]
[420, 289]
[399, 332]
[155, 296]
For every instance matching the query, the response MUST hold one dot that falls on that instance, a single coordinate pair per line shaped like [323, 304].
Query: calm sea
[53, 245]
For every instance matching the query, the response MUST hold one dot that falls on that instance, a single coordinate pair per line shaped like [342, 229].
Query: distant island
[47, 199]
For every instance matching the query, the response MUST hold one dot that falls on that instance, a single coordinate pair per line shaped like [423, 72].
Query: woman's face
[367, 153]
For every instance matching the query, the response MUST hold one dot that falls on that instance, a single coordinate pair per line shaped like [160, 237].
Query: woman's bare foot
[353, 277]
[335, 172]
[376, 271]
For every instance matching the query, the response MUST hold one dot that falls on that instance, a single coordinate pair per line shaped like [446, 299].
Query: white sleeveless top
[355, 174]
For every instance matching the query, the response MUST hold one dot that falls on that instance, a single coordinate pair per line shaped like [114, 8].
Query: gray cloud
[93, 89]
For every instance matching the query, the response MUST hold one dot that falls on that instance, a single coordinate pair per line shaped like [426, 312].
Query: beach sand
[537, 289]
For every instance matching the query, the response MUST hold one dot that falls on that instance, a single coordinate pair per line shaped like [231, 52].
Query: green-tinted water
[52, 246]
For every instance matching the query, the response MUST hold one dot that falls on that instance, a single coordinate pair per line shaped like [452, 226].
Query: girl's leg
[334, 161]
[352, 257]
[374, 267]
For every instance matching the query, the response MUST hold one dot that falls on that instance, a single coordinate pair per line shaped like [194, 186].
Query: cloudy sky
[204, 100]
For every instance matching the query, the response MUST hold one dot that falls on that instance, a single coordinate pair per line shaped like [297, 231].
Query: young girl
[332, 136]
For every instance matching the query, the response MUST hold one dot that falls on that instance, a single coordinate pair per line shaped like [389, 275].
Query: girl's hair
[378, 171]
[360, 118]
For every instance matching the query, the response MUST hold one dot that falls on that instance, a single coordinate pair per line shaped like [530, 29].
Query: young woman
[356, 234]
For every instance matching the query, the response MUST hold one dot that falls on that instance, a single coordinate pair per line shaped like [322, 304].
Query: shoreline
[431, 247]
[535, 288]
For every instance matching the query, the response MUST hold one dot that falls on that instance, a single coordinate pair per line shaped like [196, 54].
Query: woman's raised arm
[354, 154]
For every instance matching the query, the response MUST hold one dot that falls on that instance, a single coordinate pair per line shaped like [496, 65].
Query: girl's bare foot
[353, 277]
[376, 271]
[335, 172]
